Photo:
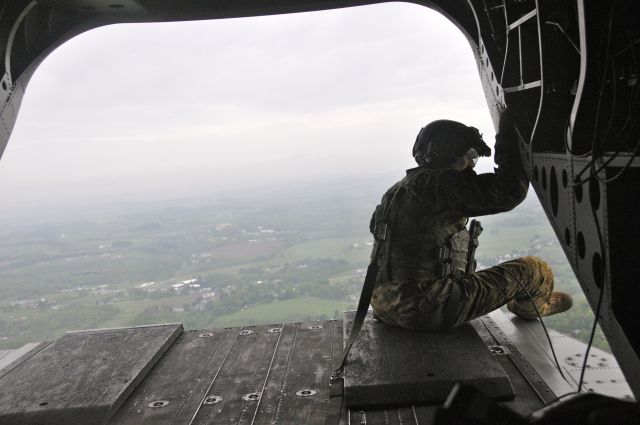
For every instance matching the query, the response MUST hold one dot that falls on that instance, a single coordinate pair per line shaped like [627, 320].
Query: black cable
[599, 304]
[493, 30]
[601, 149]
[562, 31]
[596, 155]
[603, 81]
[624, 168]
[632, 107]
[553, 351]
[590, 343]
[596, 313]
[619, 149]
[560, 397]
[614, 90]
[600, 93]
[594, 173]
[598, 150]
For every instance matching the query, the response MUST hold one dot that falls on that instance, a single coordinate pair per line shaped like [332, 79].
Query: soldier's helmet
[442, 142]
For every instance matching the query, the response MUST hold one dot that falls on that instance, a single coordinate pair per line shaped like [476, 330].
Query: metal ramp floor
[279, 374]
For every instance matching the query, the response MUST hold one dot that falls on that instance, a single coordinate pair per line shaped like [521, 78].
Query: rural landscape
[280, 254]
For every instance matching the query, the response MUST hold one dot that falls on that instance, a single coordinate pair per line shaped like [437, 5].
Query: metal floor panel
[83, 377]
[252, 375]
[9, 356]
[272, 374]
[603, 375]
[279, 374]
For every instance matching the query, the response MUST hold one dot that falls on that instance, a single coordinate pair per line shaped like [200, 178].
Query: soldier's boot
[558, 303]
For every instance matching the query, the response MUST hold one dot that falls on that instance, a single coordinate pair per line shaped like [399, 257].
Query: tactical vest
[453, 254]
[442, 240]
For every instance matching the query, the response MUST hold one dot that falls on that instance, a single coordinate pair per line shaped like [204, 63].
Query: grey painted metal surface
[83, 377]
[7, 357]
[603, 374]
[261, 377]
[275, 374]
[390, 365]
[504, 346]
[267, 377]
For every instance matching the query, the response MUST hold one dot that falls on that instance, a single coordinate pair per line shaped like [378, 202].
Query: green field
[275, 260]
[339, 248]
[286, 311]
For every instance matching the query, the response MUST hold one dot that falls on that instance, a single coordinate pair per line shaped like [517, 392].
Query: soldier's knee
[537, 263]
[545, 269]
[535, 269]
[540, 271]
[532, 260]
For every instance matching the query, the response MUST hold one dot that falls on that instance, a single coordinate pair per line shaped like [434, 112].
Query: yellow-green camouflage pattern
[479, 293]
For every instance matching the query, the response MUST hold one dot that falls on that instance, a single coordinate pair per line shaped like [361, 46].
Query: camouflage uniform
[413, 289]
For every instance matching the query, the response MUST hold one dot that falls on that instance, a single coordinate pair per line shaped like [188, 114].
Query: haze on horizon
[168, 110]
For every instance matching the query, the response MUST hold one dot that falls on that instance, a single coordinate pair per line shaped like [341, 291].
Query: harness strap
[367, 289]
[361, 312]
[336, 414]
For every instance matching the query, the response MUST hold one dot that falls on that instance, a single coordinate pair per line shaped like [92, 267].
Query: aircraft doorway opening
[224, 172]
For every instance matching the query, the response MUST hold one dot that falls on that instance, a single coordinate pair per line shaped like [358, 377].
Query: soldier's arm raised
[473, 194]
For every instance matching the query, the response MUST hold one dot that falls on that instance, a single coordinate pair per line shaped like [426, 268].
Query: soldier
[421, 222]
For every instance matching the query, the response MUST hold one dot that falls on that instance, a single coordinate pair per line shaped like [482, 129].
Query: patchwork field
[214, 265]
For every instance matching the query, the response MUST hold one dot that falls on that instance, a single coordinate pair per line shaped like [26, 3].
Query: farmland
[290, 256]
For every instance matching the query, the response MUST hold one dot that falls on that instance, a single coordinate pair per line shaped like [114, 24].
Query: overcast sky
[171, 109]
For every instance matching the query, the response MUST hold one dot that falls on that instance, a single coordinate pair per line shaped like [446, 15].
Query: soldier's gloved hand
[506, 147]
[505, 123]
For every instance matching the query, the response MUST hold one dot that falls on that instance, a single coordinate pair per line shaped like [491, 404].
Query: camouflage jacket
[430, 206]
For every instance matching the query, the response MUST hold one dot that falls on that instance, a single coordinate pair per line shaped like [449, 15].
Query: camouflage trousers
[455, 299]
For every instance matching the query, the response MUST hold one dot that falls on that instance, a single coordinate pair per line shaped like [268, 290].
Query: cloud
[132, 107]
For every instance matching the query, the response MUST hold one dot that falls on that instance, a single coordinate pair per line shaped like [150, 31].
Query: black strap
[367, 289]
[336, 414]
[361, 313]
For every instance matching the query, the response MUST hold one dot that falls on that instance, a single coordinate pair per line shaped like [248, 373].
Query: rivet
[212, 399]
[306, 393]
[251, 397]
[274, 330]
[498, 349]
[206, 335]
[245, 332]
[158, 403]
